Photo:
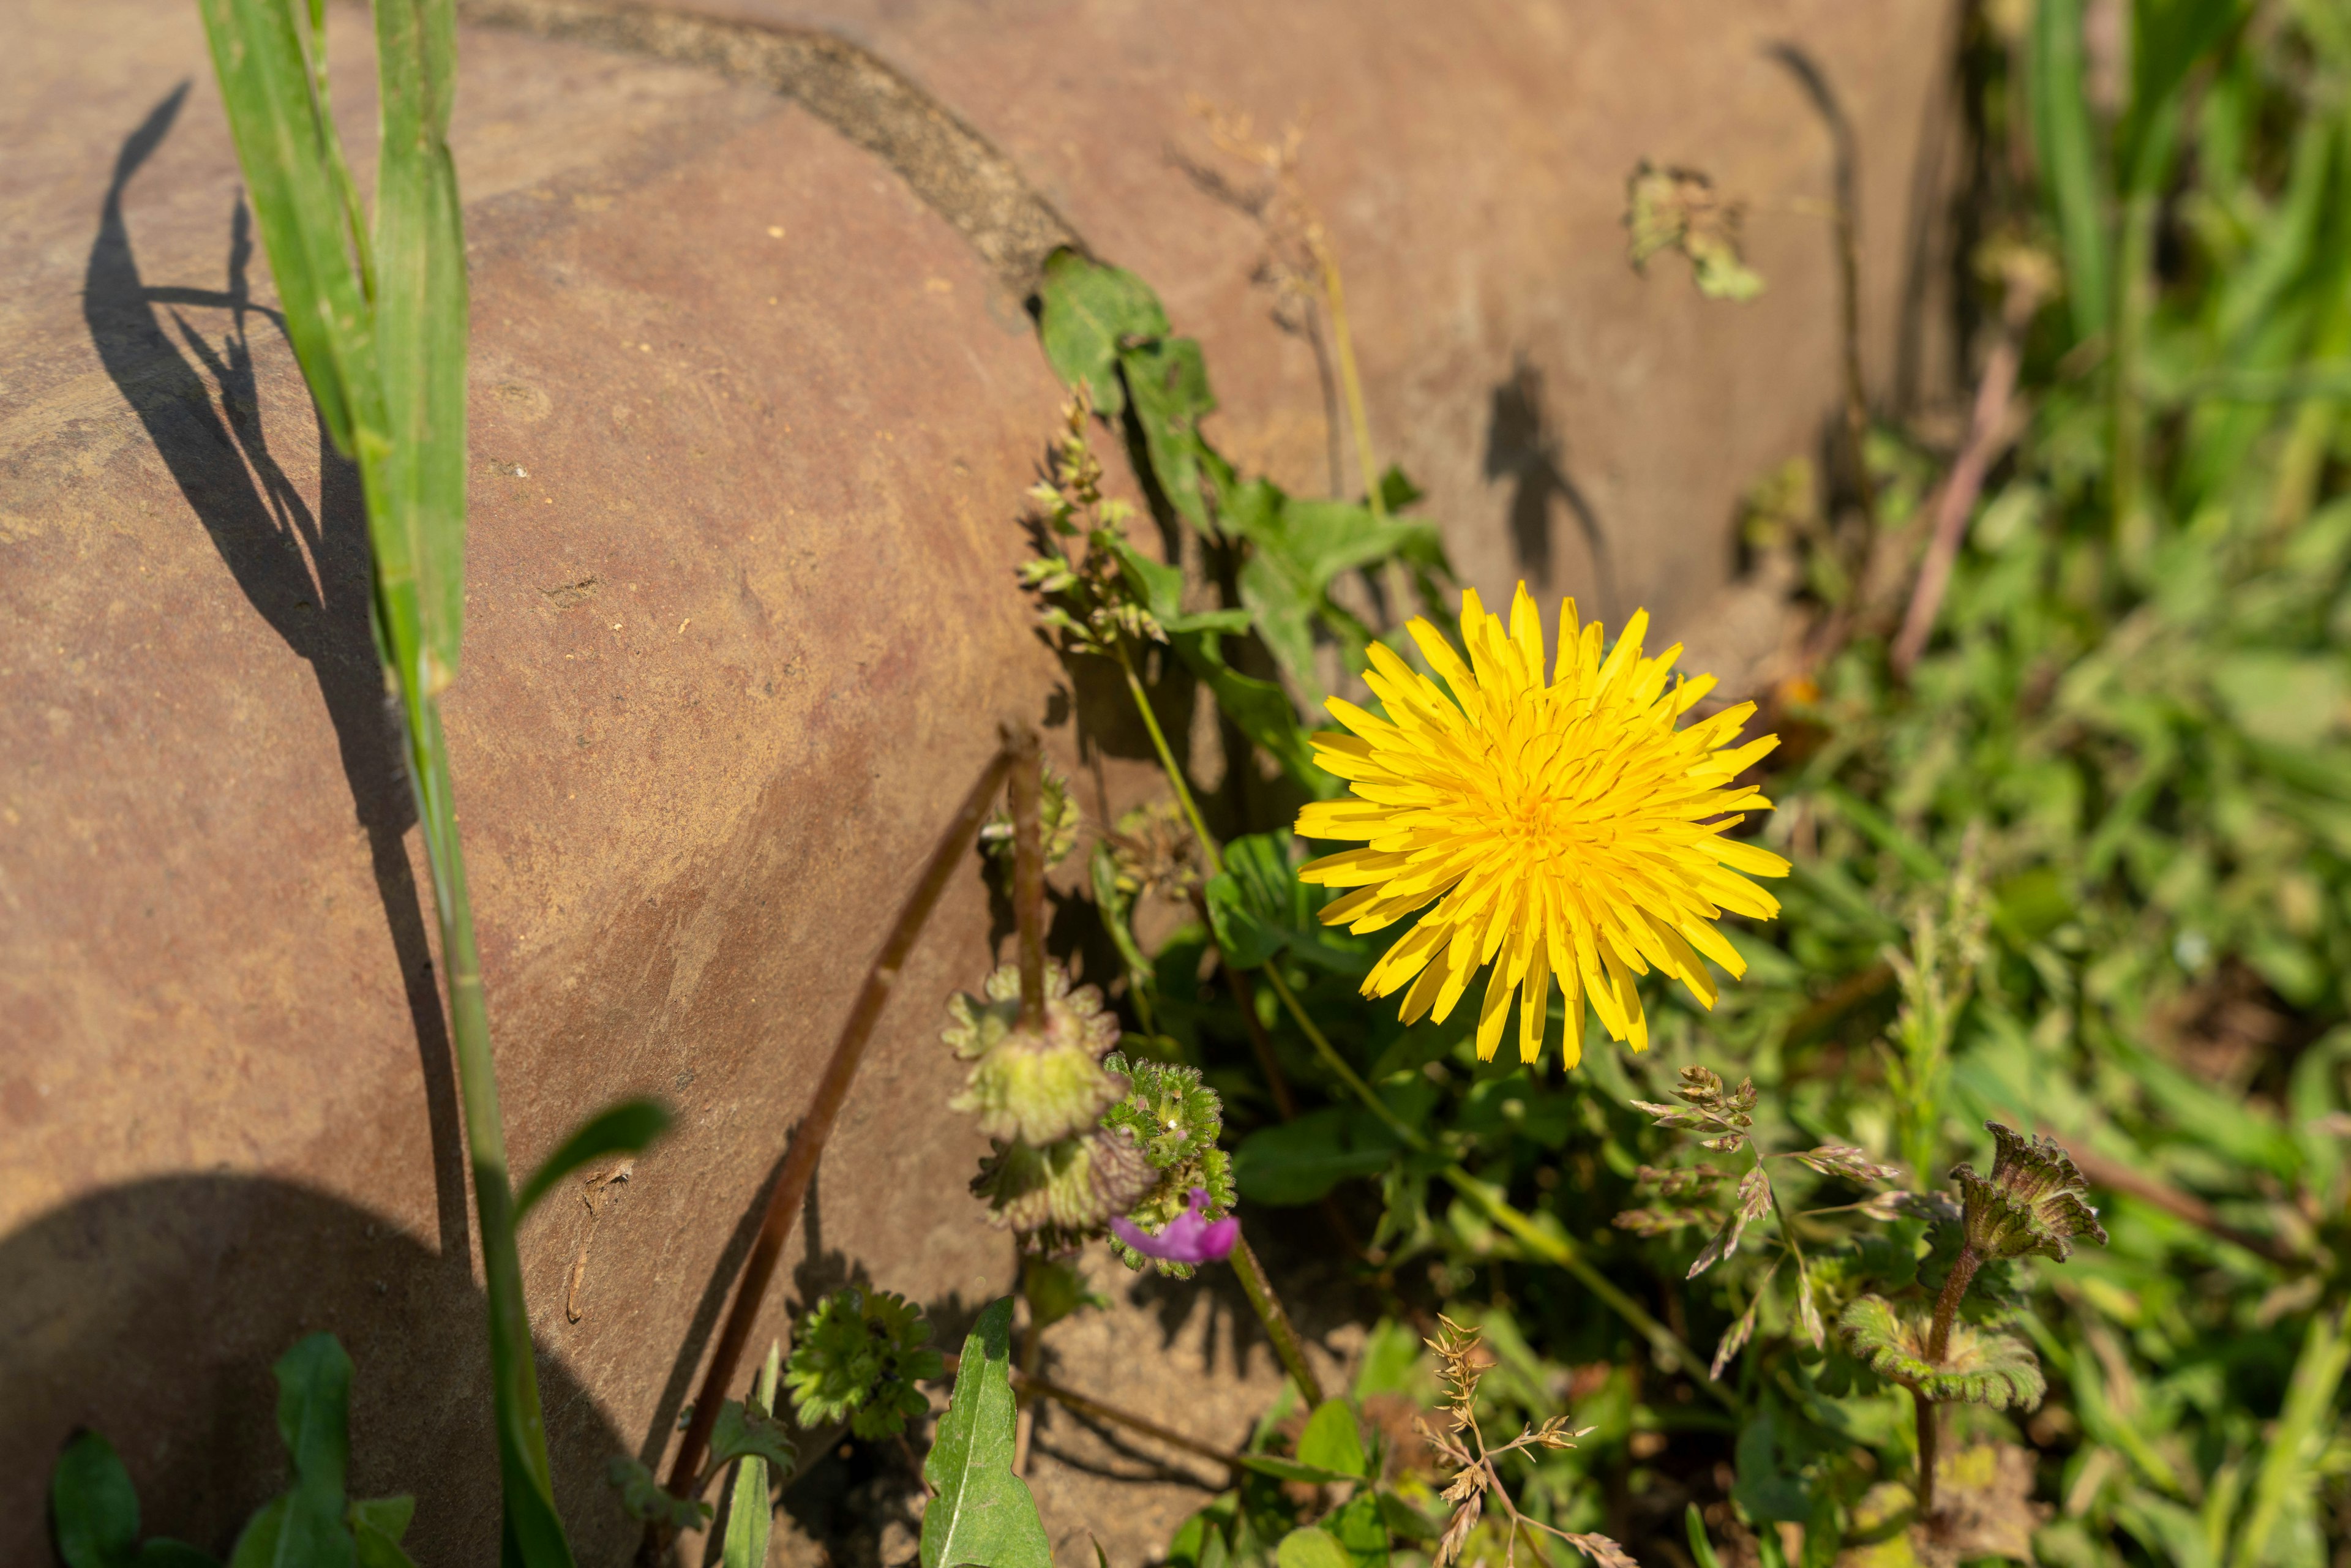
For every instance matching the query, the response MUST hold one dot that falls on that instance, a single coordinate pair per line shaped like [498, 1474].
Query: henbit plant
[2034, 1202]
[377, 318]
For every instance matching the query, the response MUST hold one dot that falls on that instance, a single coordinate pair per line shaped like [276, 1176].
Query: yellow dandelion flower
[1565, 831]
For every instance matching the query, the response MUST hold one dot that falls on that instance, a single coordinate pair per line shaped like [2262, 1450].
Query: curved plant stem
[809, 1139]
[1086, 1405]
[1028, 872]
[1167, 764]
[1286, 1343]
[1550, 1244]
[1350, 383]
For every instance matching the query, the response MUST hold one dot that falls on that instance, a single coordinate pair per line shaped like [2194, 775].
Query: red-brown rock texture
[753, 410]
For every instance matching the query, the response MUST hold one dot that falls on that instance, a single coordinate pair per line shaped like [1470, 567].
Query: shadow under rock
[307, 573]
[152, 1311]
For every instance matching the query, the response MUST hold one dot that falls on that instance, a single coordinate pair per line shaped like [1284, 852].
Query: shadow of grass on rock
[151, 1313]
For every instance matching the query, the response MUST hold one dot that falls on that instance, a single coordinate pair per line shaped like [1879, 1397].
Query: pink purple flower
[1190, 1236]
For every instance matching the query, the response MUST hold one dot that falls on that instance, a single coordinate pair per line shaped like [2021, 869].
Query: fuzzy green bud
[1058, 1194]
[1034, 1086]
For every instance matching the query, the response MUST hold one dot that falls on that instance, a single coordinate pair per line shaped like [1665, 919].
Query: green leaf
[94, 1505]
[1261, 709]
[1331, 1440]
[1252, 902]
[983, 1515]
[1401, 1519]
[1168, 383]
[421, 320]
[1298, 548]
[1701, 1549]
[748, 1510]
[1087, 311]
[624, 1128]
[644, 1498]
[377, 1525]
[1284, 1470]
[1979, 1366]
[286, 148]
[314, 1395]
[2168, 37]
[1361, 1527]
[2281, 698]
[1291, 1163]
[257, 1543]
[1311, 1547]
[2066, 143]
[742, 1433]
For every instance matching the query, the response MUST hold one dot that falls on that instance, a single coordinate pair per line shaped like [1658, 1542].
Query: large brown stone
[751, 424]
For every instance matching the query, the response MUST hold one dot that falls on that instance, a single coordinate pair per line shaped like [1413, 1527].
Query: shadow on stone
[1522, 447]
[151, 1313]
[305, 573]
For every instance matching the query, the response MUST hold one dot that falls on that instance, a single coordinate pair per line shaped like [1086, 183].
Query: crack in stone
[955, 171]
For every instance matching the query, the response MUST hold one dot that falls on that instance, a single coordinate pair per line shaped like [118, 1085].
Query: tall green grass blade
[389, 382]
[284, 146]
[2071, 165]
[2168, 39]
[420, 316]
[2288, 1478]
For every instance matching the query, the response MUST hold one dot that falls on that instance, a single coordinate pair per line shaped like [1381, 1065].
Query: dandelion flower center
[1561, 829]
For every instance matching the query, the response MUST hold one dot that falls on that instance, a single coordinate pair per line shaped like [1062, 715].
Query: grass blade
[2070, 162]
[421, 313]
[286, 146]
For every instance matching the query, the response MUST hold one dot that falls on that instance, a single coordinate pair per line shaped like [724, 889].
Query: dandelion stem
[807, 1139]
[1286, 1345]
[1339, 1064]
[1551, 1245]
[1285, 1101]
[1168, 763]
